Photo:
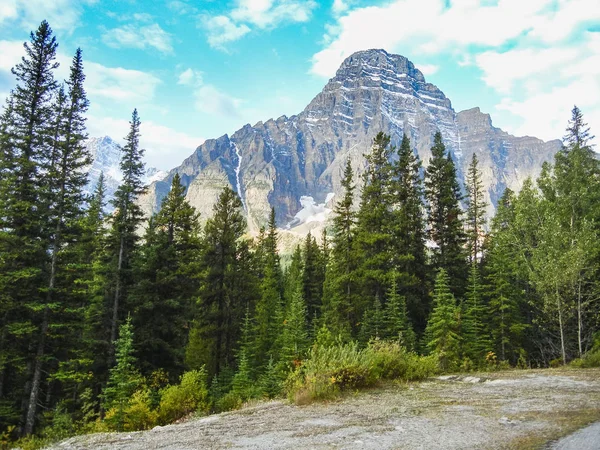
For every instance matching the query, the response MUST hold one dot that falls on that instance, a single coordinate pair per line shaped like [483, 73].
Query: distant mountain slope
[278, 162]
[106, 158]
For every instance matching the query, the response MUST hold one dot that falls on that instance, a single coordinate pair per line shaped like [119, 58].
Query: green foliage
[190, 395]
[328, 371]
[442, 332]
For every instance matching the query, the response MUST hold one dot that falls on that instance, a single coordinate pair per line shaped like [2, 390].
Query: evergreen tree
[373, 238]
[221, 306]
[167, 283]
[506, 321]
[127, 218]
[408, 230]
[338, 296]
[442, 337]
[475, 220]
[473, 331]
[268, 318]
[313, 278]
[124, 378]
[294, 340]
[373, 323]
[397, 325]
[445, 224]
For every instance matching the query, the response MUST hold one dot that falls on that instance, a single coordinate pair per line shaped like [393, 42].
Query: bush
[331, 370]
[139, 414]
[189, 396]
[228, 402]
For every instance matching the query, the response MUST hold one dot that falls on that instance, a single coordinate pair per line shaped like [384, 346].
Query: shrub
[331, 370]
[139, 414]
[228, 402]
[189, 396]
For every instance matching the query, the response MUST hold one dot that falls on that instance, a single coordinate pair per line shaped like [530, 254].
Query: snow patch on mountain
[311, 211]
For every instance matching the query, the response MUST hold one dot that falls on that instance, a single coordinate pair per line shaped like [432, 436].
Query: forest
[110, 320]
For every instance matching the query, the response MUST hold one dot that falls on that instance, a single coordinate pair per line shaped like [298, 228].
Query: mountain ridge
[279, 161]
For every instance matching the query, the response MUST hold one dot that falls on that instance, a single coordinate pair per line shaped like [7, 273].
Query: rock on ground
[514, 409]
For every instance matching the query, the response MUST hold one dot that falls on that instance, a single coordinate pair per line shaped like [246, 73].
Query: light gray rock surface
[275, 163]
[506, 410]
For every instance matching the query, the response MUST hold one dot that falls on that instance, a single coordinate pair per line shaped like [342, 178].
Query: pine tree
[445, 224]
[397, 325]
[475, 220]
[442, 337]
[166, 283]
[124, 378]
[507, 324]
[268, 318]
[373, 238]
[339, 290]
[294, 340]
[408, 229]
[473, 331]
[221, 305]
[313, 278]
[127, 218]
[373, 323]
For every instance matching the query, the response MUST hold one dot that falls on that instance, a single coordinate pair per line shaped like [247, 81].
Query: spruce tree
[397, 325]
[473, 330]
[445, 224]
[221, 305]
[167, 283]
[442, 332]
[124, 378]
[313, 278]
[506, 322]
[408, 230]
[127, 218]
[373, 238]
[475, 220]
[294, 340]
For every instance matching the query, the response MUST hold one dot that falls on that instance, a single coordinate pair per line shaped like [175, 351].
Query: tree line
[94, 312]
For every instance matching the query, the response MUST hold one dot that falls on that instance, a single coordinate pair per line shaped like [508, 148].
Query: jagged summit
[372, 61]
[285, 162]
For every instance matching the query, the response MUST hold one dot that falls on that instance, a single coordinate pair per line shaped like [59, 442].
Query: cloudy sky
[199, 69]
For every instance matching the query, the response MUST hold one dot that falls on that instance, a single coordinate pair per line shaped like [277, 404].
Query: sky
[200, 69]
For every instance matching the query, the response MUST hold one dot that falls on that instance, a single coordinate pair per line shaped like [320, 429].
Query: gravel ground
[516, 409]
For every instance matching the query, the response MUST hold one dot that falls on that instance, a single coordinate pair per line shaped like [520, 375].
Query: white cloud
[133, 36]
[190, 77]
[339, 6]
[119, 84]
[551, 62]
[428, 69]
[261, 14]
[61, 14]
[164, 146]
[211, 100]
[431, 27]
[222, 30]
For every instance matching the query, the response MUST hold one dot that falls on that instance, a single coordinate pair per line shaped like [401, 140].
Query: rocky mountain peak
[377, 62]
[295, 164]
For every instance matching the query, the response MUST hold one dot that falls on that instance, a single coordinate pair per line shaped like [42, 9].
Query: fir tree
[475, 220]
[408, 229]
[294, 340]
[221, 306]
[312, 278]
[442, 338]
[473, 331]
[373, 238]
[127, 218]
[124, 378]
[397, 325]
[167, 283]
[445, 224]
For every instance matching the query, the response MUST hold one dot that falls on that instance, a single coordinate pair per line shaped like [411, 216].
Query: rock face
[278, 162]
[106, 158]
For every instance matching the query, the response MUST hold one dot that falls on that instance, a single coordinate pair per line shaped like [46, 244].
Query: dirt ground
[505, 410]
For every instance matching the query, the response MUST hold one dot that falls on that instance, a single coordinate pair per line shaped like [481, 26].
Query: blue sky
[199, 69]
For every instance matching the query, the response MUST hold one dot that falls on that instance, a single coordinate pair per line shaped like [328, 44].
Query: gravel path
[517, 409]
[587, 438]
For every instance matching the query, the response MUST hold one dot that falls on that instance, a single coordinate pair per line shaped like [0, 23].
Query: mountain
[106, 158]
[295, 163]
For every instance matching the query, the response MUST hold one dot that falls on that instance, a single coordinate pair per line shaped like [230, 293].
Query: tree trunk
[115, 316]
[560, 324]
[579, 319]
[37, 376]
